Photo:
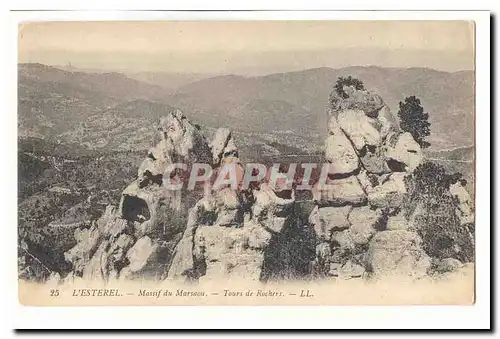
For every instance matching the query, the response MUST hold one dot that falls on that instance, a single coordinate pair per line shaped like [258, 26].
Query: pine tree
[414, 120]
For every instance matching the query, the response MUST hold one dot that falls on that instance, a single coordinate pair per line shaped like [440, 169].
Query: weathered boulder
[389, 194]
[185, 139]
[373, 160]
[228, 207]
[339, 192]
[406, 151]
[105, 221]
[360, 129]
[351, 270]
[258, 237]
[141, 257]
[271, 210]
[343, 240]
[180, 141]
[327, 219]
[333, 269]
[368, 102]
[136, 240]
[210, 249]
[448, 265]
[183, 266]
[87, 242]
[366, 181]
[223, 145]
[97, 268]
[364, 223]
[397, 253]
[340, 153]
[397, 222]
[226, 253]
[389, 122]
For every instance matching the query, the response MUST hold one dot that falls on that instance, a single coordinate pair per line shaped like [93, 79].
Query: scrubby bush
[432, 209]
[348, 81]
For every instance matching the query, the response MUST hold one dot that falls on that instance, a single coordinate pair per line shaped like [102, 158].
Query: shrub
[432, 208]
[348, 81]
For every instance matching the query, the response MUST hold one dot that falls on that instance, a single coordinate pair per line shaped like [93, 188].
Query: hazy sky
[248, 47]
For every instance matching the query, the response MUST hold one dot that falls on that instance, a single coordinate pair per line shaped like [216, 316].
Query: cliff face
[354, 226]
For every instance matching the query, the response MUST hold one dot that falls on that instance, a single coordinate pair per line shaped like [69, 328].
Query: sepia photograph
[292, 162]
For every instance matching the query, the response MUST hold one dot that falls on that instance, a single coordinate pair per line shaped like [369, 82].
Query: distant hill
[127, 126]
[460, 154]
[112, 110]
[166, 80]
[51, 101]
[169, 81]
[296, 101]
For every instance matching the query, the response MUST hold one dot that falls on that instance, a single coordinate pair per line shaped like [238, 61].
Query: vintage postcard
[321, 162]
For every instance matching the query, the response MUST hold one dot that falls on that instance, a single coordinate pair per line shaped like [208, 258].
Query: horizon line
[97, 70]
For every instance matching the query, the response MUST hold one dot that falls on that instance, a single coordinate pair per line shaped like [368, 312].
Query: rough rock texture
[340, 192]
[389, 122]
[340, 153]
[328, 219]
[398, 222]
[397, 253]
[389, 194]
[229, 230]
[136, 239]
[360, 129]
[358, 223]
[353, 226]
[369, 103]
[405, 151]
[223, 146]
[448, 265]
[465, 209]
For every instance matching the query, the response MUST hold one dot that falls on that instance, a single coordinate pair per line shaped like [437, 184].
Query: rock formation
[230, 232]
[353, 226]
[136, 239]
[357, 220]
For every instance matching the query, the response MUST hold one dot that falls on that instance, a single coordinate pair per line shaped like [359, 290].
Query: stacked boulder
[353, 227]
[136, 239]
[358, 222]
[229, 230]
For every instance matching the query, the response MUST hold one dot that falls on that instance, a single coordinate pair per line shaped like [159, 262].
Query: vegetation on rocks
[414, 120]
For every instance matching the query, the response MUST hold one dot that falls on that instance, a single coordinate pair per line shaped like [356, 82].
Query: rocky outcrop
[136, 239]
[229, 232]
[223, 146]
[404, 150]
[393, 253]
[340, 153]
[360, 129]
[357, 214]
[368, 102]
[353, 226]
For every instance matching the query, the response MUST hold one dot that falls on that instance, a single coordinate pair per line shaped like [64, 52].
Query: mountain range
[115, 111]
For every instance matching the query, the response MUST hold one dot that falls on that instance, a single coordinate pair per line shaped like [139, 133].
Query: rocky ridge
[136, 239]
[353, 227]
